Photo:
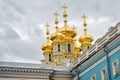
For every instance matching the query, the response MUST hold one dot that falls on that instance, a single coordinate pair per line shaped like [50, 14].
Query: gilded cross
[47, 25]
[47, 31]
[64, 7]
[56, 14]
[84, 16]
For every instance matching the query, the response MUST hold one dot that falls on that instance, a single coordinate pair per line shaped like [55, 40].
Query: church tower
[69, 33]
[47, 47]
[58, 45]
[85, 39]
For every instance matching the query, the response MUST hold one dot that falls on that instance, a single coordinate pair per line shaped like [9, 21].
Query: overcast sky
[22, 30]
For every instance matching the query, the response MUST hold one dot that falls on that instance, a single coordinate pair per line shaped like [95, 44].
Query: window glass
[50, 57]
[58, 47]
[69, 48]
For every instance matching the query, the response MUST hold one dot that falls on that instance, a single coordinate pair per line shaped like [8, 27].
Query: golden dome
[57, 35]
[68, 31]
[85, 38]
[48, 44]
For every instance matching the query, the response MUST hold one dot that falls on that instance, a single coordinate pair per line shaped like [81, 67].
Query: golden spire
[65, 13]
[47, 31]
[47, 45]
[56, 21]
[85, 23]
[85, 39]
[57, 33]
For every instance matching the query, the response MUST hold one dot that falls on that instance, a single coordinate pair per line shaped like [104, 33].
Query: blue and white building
[102, 61]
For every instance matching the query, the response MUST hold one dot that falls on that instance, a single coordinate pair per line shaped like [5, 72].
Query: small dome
[47, 45]
[86, 38]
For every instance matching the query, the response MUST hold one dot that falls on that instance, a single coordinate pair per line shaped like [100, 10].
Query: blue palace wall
[106, 58]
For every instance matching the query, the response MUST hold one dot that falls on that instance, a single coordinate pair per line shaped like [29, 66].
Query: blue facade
[106, 63]
[97, 69]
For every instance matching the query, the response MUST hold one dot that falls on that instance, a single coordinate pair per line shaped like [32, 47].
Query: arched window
[58, 47]
[50, 57]
[69, 48]
[115, 67]
[104, 74]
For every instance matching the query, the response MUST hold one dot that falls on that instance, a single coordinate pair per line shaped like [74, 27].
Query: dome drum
[59, 59]
[69, 55]
[47, 52]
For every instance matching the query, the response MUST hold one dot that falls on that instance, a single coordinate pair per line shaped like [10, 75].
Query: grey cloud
[7, 33]
[21, 18]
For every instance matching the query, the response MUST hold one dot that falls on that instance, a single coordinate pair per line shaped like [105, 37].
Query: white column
[96, 46]
[107, 37]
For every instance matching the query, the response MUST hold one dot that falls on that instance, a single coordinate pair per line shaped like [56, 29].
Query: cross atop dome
[84, 23]
[64, 7]
[84, 16]
[56, 20]
[65, 13]
[47, 31]
[56, 14]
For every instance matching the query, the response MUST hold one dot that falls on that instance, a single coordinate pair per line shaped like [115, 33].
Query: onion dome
[48, 44]
[66, 30]
[57, 35]
[85, 38]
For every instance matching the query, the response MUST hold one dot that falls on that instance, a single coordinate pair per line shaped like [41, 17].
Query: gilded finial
[84, 23]
[84, 18]
[56, 20]
[47, 31]
[65, 13]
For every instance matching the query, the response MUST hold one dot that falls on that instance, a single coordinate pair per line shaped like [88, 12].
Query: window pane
[58, 47]
[69, 48]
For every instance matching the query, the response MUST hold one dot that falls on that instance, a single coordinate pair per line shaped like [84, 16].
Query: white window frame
[93, 76]
[115, 69]
[104, 76]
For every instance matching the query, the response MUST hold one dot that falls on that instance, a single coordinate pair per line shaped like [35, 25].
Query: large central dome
[68, 31]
